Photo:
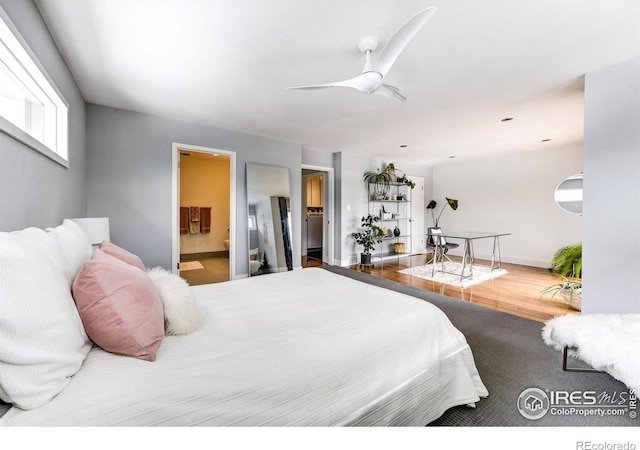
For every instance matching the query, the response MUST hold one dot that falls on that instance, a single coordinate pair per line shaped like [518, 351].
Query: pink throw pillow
[123, 255]
[119, 307]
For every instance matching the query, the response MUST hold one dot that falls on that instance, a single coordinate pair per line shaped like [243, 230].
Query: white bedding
[300, 348]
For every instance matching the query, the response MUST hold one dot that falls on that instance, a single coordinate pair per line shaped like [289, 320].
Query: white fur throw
[180, 313]
[607, 342]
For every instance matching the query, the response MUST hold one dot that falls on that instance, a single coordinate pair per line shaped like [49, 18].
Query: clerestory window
[32, 110]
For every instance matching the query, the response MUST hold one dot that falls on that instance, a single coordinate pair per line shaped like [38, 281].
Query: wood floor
[517, 292]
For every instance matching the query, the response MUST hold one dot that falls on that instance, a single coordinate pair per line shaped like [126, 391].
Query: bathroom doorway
[204, 232]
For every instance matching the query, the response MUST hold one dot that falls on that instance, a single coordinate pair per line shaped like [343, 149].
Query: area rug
[480, 274]
[190, 265]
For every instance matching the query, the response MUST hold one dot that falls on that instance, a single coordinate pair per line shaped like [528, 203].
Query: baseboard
[195, 256]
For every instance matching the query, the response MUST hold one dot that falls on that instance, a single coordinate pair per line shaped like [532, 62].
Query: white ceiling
[226, 63]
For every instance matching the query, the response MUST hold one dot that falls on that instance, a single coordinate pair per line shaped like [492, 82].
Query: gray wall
[129, 177]
[34, 190]
[611, 228]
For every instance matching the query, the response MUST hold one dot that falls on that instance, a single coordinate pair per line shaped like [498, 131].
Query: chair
[439, 244]
[256, 261]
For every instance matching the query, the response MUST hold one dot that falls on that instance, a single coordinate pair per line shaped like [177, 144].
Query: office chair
[439, 245]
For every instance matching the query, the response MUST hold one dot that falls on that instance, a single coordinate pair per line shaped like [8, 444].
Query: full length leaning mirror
[269, 209]
[568, 194]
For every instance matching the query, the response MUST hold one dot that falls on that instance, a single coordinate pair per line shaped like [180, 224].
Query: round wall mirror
[568, 194]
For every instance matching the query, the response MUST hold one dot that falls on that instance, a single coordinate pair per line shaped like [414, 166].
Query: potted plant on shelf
[370, 235]
[382, 179]
[567, 261]
[569, 289]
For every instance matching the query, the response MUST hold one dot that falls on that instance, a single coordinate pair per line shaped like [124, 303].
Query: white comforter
[306, 348]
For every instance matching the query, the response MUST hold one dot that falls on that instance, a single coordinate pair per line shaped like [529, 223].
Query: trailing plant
[370, 234]
[382, 179]
[567, 261]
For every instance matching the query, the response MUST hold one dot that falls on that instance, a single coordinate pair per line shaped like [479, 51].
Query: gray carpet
[510, 356]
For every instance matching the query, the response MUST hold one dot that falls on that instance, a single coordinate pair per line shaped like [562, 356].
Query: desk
[468, 256]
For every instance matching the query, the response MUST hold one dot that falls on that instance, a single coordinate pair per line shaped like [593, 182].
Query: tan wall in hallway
[205, 182]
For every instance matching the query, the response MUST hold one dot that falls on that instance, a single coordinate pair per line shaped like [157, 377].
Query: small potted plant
[570, 290]
[370, 235]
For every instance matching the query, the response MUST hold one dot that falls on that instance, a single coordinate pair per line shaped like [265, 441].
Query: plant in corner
[567, 261]
[368, 236]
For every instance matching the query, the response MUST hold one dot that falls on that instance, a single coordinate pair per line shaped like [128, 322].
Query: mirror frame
[568, 194]
[269, 188]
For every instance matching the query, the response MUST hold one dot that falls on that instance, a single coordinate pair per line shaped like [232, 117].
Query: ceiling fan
[370, 80]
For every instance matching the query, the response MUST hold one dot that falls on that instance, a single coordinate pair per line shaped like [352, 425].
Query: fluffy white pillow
[74, 244]
[180, 312]
[42, 340]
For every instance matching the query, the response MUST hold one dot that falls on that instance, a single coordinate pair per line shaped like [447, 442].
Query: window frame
[37, 74]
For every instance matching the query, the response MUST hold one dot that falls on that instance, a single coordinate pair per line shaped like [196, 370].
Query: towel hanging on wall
[194, 219]
[194, 214]
[205, 219]
[184, 220]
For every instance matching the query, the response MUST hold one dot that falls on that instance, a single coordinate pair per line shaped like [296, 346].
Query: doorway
[204, 208]
[317, 215]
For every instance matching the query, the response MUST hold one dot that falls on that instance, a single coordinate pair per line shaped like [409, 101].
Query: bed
[300, 348]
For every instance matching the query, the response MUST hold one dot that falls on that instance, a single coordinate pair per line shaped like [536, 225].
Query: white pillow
[180, 313]
[42, 340]
[74, 244]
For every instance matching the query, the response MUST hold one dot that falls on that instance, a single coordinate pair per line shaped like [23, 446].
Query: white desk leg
[466, 256]
[496, 246]
[436, 241]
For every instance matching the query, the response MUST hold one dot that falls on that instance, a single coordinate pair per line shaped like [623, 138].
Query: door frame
[418, 244]
[175, 203]
[328, 226]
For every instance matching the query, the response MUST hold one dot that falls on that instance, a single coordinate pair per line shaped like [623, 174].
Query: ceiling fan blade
[366, 82]
[392, 92]
[400, 39]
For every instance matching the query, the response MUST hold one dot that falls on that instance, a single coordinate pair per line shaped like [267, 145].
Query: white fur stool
[608, 342]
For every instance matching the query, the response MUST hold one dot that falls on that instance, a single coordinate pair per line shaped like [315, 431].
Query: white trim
[328, 211]
[175, 204]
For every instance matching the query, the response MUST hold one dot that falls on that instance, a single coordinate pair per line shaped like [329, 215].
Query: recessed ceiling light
[545, 140]
[506, 119]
